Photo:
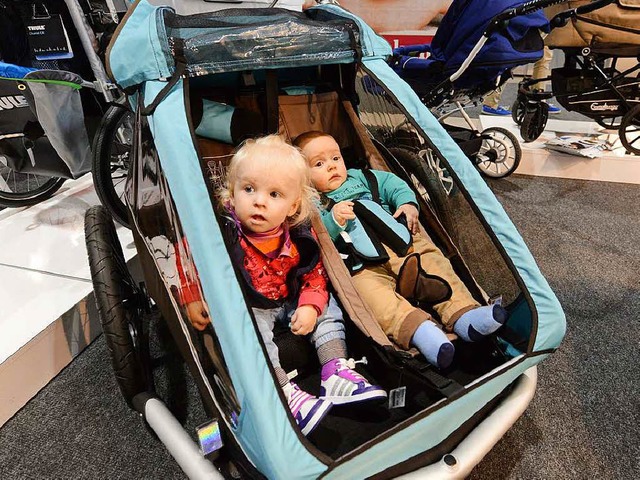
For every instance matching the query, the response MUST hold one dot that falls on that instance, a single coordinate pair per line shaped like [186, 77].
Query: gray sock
[281, 375]
[335, 348]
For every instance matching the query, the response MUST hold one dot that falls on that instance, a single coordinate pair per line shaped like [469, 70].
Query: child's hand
[343, 211]
[304, 320]
[198, 315]
[411, 214]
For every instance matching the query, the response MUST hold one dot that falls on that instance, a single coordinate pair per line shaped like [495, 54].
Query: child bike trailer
[43, 139]
[274, 70]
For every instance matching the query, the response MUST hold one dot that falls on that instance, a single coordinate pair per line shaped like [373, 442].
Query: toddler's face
[328, 170]
[263, 198]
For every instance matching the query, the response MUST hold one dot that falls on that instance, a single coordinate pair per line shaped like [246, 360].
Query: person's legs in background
[542, 69]
[491, 104]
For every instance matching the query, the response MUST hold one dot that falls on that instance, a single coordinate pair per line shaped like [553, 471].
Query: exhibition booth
[290, 70]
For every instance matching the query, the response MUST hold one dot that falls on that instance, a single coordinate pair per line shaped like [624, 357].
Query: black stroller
[473, 52]
[599, 36]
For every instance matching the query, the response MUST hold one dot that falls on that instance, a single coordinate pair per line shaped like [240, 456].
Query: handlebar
[561, 19]
[501, 20]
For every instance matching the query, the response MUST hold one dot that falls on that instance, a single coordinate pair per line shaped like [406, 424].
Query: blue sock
[433, 344]
[480, 322]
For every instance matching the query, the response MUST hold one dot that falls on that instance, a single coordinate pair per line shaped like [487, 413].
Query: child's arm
[393, 190]
[312, 301]
[398, 195]
[189, 294]
[304, 320]
[198, 314]
[410, 213]
[337, 218]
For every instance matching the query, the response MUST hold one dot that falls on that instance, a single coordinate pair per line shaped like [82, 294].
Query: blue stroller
[290, 72]
[476, 47]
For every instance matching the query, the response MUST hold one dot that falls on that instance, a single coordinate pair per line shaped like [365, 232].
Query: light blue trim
[137, 54]
[421, 435]
[551, 319]
[216, 121]
[264, 431]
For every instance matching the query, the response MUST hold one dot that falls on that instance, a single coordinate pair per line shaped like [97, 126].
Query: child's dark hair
[301, 140]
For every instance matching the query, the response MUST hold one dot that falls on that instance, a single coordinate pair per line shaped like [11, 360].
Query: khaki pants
[397, 317]
[542, 68]
[493, 99]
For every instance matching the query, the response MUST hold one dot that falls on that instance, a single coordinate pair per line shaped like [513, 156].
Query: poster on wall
[400, 22]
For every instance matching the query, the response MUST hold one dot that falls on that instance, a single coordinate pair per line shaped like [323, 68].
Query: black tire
[534, 121]
[630, 130]
[25, 189]
[499, 154]
[111, 160]
[118, 299]
[610, 123]
[518, 109]
[436, 193]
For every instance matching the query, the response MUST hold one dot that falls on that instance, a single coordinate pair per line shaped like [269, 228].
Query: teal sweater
[393, 192]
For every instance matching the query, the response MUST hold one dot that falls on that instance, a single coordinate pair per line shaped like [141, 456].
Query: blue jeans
[330, 326]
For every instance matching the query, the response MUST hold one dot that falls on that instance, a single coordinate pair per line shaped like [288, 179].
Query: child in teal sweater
[404, 323]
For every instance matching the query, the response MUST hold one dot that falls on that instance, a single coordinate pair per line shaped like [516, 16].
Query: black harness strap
[179, 71]
[373, 184]
[273, 116]
[445, 386]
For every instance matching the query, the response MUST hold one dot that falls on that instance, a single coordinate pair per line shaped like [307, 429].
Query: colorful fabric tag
[209, 437]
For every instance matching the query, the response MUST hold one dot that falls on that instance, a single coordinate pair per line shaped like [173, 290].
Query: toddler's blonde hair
[273, 151]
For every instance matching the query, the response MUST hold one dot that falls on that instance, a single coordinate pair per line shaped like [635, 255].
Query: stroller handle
[561, 19]
[501, 20]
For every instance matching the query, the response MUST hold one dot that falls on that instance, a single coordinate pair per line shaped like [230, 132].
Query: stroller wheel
[534, 121]
[518, 109]
[610, 123]
[499, 154]
[120, 304]
[630, 130]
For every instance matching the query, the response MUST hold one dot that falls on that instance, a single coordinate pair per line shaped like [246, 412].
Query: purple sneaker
[341, 384]
[307, 410]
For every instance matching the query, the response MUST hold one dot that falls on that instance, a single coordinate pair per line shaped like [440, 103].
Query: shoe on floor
[554, 108]
[501, 111]
[307, 410]
[341, 384]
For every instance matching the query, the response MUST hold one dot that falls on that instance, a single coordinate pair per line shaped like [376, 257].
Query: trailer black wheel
[429, 183]
[534, 121]
[630, 130]
[111, 160]
[518, 109]
[24, 189]
[499, 154]
[120, 303]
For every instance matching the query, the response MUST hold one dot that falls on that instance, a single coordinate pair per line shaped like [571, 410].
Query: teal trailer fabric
[551, 320]
[264, 431]
[137, 55]
[418, 436]
[141, 56]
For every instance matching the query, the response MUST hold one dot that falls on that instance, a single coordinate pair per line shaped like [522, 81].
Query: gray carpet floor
[583, 423]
